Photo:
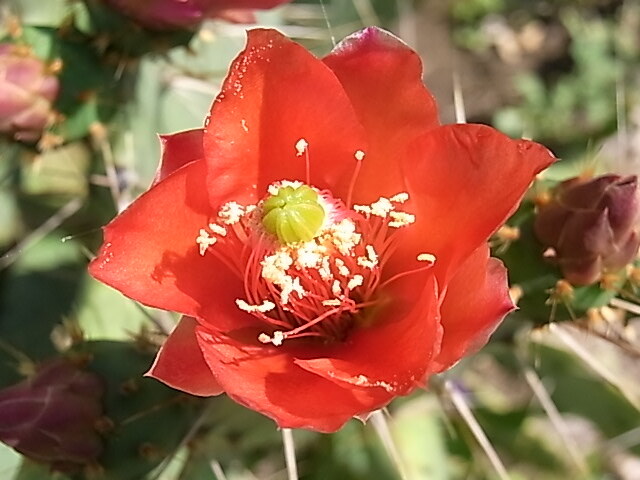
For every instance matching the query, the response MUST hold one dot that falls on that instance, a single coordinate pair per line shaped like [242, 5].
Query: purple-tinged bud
[51, 416]
[27, 92]
[186, 14]
[592, 226]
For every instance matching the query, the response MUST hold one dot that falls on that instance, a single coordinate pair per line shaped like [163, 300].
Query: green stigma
[294, 214]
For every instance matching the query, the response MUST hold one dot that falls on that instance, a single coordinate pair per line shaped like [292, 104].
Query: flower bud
[185, 14]
[591, 225]
[27, 92]
[50, 417]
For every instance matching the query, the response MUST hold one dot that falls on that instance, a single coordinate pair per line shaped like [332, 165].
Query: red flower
[177, 14]
[396, 282]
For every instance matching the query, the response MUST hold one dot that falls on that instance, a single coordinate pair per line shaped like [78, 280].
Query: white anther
[335, 288]
[356, 281]
[342, 268]
[301, 147]
[343, 235]
[232, 212]
[264, 307]
[204, 241]
[277, 339]
[218, 229]
[363, 209]
[401, 219]
[371, 254]
[325, 269]
[290, 286]
[332, 302]
[359, 155]
[400, 197]
[427, 257]
[381, 207]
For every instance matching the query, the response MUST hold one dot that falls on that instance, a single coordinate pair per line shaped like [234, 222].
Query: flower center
[293, 214]
[311, 266]
[309, 274]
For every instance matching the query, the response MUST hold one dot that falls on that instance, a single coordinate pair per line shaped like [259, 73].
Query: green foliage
[121, 85]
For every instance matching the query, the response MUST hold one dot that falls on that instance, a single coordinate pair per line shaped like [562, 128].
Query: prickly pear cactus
[86, 88]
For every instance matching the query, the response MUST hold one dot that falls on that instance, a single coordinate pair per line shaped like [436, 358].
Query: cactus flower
[323, 235]
[592, 226]
[27, 92]
[180, 14]
[50, 416]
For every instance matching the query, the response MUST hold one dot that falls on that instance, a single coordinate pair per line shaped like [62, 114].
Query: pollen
[308, 275]
[426, 257]
[382, 207]
[231, 213]
[401, 219]
[204, 241]
[400, 197]
[264, 307]
[355, 282]
[301, 147]
[218, 229]
[359, 155]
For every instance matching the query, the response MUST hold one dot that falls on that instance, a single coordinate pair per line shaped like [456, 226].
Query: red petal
[396, 351]
[383, 79]
[179, 149]
[276, 94]
[465, 181]
[150, 252]
[267, 380]
[476, 301]
[180, 363]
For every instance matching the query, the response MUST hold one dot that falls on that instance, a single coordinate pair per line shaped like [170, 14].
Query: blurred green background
[554, 402]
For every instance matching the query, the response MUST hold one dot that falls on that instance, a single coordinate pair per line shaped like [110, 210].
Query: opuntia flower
[50, 417]
[324, 236]
[184, 14]
[27, 92]
[592, 226]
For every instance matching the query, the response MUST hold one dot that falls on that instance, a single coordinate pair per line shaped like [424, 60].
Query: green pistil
[294, 214]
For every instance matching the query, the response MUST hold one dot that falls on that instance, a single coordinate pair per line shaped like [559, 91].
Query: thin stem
[458, 401]
[289, 454]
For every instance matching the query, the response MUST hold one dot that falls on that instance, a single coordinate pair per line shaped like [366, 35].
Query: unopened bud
[591, 225]
[51, 416]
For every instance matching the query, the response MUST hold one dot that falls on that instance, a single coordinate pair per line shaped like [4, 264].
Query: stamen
[401, 219]
[400, 197]
[356, 281]
[218, 229]
[423, 257]
[302, 148]
[277, 339]
[359, 156]
[313, 286]
[266, 306]
[381, 207]
[232, 212]
[204, 241]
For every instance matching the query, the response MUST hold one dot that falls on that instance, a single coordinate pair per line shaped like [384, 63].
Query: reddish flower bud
[50, 417]
[592, 225]
[179, 14]
[27, 91]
